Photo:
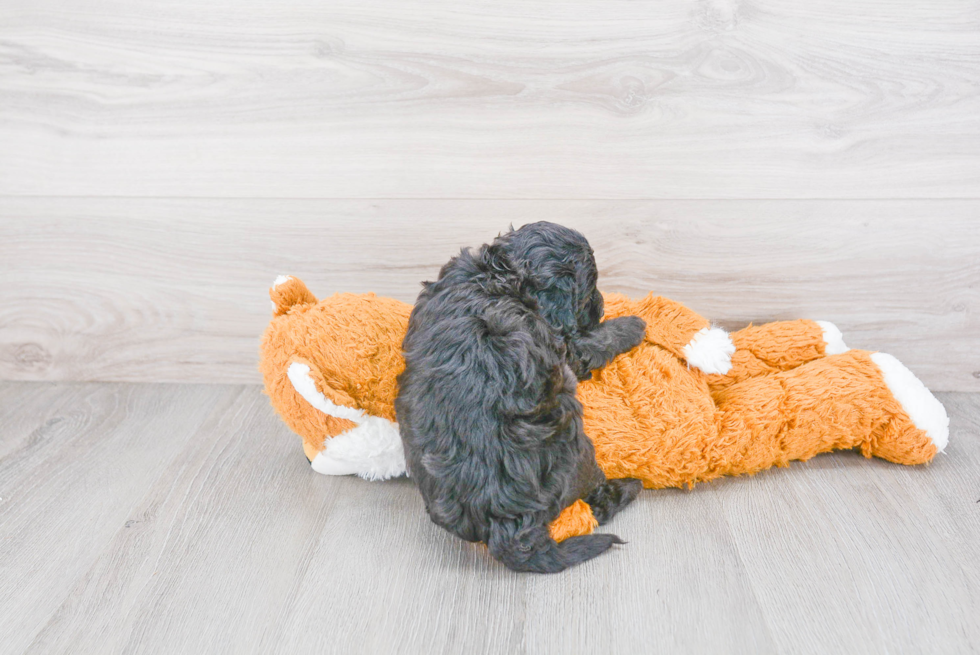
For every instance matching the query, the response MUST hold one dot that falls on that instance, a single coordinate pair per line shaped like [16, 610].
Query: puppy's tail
[533, 550]
[287, 291]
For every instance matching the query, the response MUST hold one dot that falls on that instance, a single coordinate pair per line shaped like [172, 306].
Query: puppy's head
[560, 272]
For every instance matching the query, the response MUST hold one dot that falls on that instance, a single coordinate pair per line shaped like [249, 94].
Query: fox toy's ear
[288, 291]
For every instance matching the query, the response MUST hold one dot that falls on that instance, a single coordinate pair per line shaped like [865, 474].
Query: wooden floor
[184, 519]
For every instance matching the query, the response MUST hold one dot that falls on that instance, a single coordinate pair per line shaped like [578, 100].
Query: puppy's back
[489, 419]
[473, 367]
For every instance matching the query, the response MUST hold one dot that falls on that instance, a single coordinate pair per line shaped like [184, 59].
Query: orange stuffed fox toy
[689, 404]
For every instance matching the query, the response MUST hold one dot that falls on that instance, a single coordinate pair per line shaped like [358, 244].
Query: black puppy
[486, 405]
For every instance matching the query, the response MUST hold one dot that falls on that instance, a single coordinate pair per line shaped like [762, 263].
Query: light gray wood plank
[420, 589]
[238, 543]
[210, 553]
[848, 555]
[416, 587]
[668, 99]
[234, 545]
[176, 290]
[20, 429]
[72, 485]
[662, 592]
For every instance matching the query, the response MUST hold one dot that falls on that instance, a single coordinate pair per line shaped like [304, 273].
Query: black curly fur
[486, 406]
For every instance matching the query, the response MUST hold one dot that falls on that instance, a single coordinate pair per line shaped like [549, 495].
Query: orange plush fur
[650, 414]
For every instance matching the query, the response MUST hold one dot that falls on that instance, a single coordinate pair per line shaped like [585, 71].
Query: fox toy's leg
[777, 346]
[575, 521]
[677, 329]
[856, 399]
[725, 358]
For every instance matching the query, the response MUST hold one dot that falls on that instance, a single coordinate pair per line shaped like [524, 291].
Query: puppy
[486, 405]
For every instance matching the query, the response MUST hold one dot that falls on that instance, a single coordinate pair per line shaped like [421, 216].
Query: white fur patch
[299, 375]
[373, 450]
[282, 279]
[926, 412]
[832, 338]
[710, 350]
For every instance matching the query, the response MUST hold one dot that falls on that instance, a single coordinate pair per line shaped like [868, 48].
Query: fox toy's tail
[287, 291]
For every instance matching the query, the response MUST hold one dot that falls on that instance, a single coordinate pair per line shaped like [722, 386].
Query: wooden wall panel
[509, 99]
[176, 290]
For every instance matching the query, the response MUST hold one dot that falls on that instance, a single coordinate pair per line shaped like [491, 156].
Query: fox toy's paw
[926, 412]
[833, 340]
[710, 350]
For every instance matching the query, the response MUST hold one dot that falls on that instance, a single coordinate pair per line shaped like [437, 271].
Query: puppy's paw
[611, 496]
[630, 331]
[630, 487]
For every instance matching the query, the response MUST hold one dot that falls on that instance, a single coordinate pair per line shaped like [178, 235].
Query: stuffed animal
[689, 404]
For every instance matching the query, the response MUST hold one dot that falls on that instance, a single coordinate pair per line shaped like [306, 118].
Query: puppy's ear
[502, 275]
[558, 292]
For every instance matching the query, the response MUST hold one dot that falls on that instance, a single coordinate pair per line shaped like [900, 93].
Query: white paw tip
[923, 408]
[282, 279]
[832, 338]
[710, 350]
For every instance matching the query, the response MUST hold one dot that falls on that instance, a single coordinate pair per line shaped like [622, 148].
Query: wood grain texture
[422, 98]
[176, 290]
[883, 537]
[210, 552]
[221, 539]
[69, 486]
